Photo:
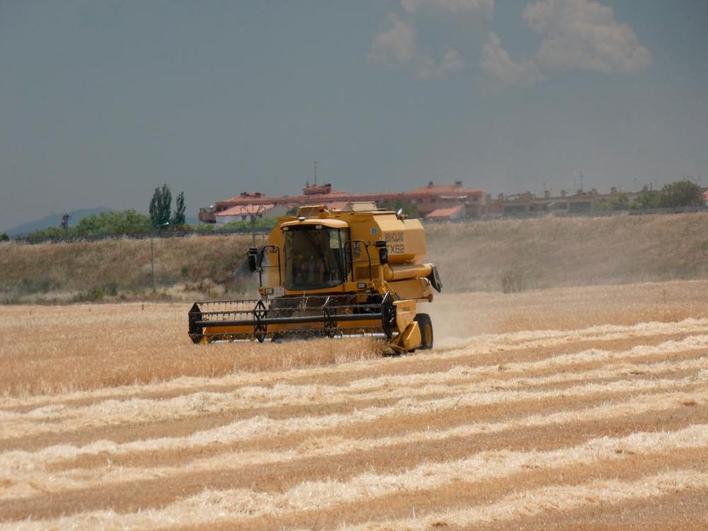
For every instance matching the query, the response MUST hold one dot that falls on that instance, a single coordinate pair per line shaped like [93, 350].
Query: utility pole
[314, 164]
[253, 230]
[152, 263]
[152, 256]
[255, 215]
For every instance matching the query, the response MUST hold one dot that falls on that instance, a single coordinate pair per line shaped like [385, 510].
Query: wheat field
[576, 407]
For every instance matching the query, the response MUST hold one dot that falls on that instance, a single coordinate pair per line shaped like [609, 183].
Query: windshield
[314, 257]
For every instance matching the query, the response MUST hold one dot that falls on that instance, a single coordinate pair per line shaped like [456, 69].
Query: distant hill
[54, 220]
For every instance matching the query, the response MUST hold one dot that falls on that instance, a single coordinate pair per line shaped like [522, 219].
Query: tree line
[162, 217]
[679, 194]
[124, 222]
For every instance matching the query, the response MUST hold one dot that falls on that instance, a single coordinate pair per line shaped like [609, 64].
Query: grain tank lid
[405, 238]
[328, 223]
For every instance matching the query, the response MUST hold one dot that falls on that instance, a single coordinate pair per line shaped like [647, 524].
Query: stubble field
[574, 407]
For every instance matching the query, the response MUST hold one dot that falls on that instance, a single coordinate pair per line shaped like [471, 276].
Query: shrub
[246, 225]
[97, 293]
[203, 227]
[36, 285]
[681, 194]
[92, 295]
[110, 223]
[512, 280]
[647, 199]
[51, 233]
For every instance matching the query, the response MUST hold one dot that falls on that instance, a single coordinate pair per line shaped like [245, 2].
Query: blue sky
[102, 101]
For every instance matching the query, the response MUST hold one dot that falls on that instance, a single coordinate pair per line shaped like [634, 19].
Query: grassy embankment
[558, 252]
[515, 255]
[121, 269]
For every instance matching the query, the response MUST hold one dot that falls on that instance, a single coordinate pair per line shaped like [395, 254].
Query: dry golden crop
[556, 408]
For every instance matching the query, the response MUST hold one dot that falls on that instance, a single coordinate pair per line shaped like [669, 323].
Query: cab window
[314, 257]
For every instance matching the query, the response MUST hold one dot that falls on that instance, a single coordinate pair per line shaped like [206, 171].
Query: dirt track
[569, 408]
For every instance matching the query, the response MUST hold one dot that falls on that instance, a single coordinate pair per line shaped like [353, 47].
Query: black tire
[426, 330]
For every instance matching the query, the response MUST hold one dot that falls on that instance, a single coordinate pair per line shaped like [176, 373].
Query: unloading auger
[328, 273]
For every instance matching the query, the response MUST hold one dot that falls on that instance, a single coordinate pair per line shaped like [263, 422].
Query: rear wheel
[426, 330]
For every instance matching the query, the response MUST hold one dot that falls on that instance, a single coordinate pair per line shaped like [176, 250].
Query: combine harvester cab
[326, 273]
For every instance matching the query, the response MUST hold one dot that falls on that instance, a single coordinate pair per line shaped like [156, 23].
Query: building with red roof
[452, 213]
[425, 200]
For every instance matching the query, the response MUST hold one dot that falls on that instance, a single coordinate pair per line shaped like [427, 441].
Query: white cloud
[497, 62]
[397, 46]
[576, 34]
[452, 6]
[584, 34]
[451, 62]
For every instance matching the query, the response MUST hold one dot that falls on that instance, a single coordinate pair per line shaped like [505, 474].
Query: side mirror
[252, 258]
[383, 251]
[434, 278]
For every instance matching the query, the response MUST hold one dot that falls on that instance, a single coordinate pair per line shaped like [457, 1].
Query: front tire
[426, 330]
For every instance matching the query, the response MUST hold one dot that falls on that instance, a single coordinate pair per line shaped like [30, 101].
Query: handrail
[368, 256]
[275, 250]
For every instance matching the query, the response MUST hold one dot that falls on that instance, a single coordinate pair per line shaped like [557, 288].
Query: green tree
[50, 233]
[4, 237]
[103, 224]
[683, 193]
[647, 199]
[110, 223]
[179, 218]
[619, 201]
[160, 206]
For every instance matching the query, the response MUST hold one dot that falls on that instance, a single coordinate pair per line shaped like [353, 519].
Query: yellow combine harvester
[326, 273]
